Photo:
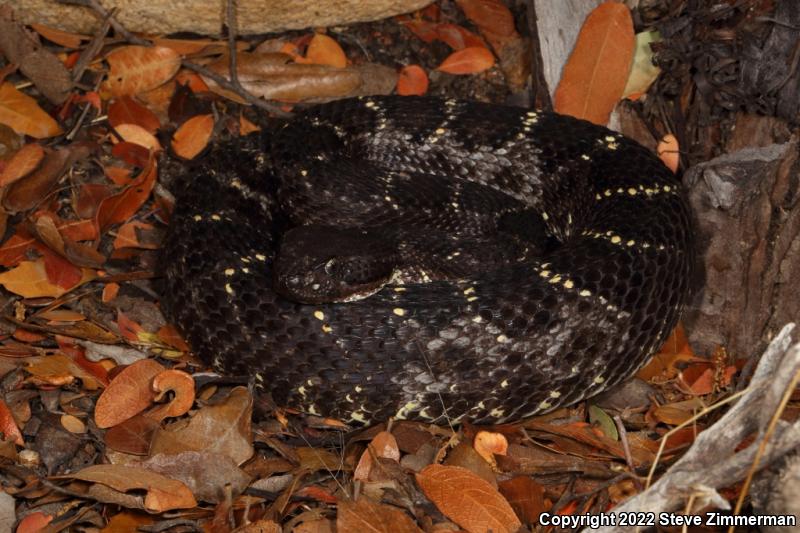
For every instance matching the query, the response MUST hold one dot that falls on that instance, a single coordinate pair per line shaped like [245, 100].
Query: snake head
[320, 264]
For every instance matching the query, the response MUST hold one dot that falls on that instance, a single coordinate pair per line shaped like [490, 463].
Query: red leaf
[412, 81]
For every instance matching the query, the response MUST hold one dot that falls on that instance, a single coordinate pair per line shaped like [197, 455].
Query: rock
[207, 17]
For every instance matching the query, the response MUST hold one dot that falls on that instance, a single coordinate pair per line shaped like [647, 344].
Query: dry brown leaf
[123, 205]
[58, 369]
[222, 428]
[526, 497]
[23, 114]
[471, 60]
[135, 69]
[467, 500]
[595, 74]
[23, 162]
[163, 493]
[193, 136]
[491, 16]
[60, 37]
[383, 445]
[365, 515]
[128, 236]
[128, 394]
[126, 110]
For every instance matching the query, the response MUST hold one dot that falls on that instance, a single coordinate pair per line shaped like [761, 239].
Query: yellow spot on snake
[399, 311]
[469, 291]
[631, 243]
[319, 315]
[607, 192]
[544, 273]
[667, 188]
[497, 412]
[599, 379]
[555, 394]
[228, 288]
[585, 293]
[440, 131]
[229, 272]
[568, 284]
[545, 405]
[261, 257]
[358, 416]
[585, 157]
[246, 270]
[358, 389]
[216, 217]
[472, 298]
[616, 239]
[545, 216]
[304, 172]
[477, 319]
[556, 278]
[326, 328]
[349, 398]
[198, 218]
[632, 191]
[399, 289]
[502, 339]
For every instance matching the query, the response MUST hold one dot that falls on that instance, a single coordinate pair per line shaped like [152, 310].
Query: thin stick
[787, 394]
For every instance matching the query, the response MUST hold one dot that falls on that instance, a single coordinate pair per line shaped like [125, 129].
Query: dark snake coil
[505, 343]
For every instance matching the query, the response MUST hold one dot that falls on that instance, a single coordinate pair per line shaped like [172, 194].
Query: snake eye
[331, 267]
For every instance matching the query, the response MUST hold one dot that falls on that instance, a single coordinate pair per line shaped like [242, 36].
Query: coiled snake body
[602, 231]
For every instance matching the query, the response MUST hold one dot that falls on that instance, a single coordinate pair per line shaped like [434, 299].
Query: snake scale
[579, 310]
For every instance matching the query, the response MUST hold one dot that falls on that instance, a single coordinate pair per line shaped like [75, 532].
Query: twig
[246, 95]
[91, 50]
[95, 6]
[233, 28]
[713, 460]
[623, 437]
[787, 394]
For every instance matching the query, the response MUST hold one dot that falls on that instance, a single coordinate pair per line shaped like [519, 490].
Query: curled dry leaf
[467, 500]
[413, 80]
[488, 443]
[193, 136]
[58, 369]
[135, 69]
[470, 60]
[22, 163]
[365, 515]
[383, 445]
[128, 394]
[163, 493]
[23, 114]
[60, 37]
[322, 50]
[182, 385]
[643, 72]
[596, 72]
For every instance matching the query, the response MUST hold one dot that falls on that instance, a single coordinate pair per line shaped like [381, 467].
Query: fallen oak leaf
[22, 163]
[123, 205]
[163, 493]
[192, 136]
[128, 394]
[364, 515]
[23, 114]
[595, 74]
[471, 60]
[136, 134]
[30, 280]
[468, 500]
[8, 426]
[488, 443]
[383, 445]
[126, 110]
[135, 69]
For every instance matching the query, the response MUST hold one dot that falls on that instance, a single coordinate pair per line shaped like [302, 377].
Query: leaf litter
[85, 411]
